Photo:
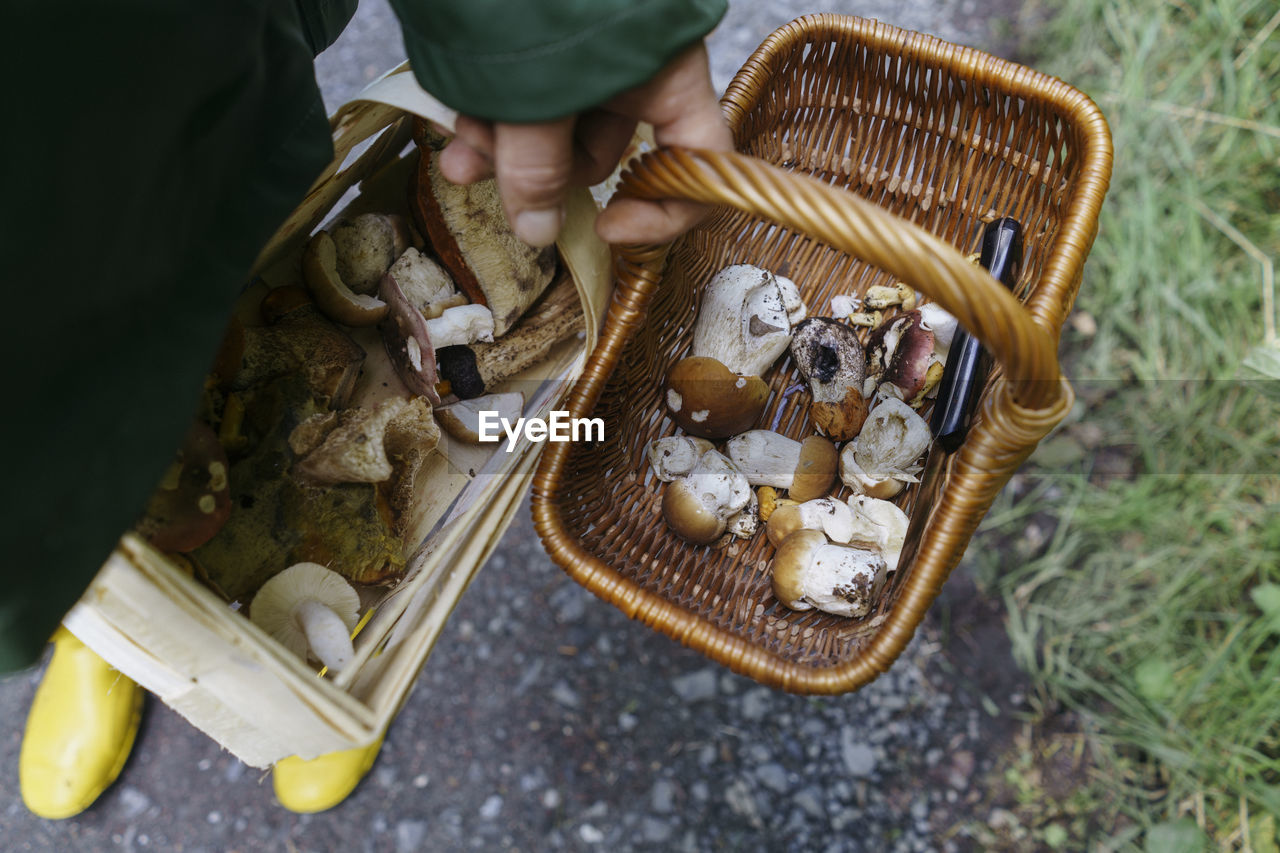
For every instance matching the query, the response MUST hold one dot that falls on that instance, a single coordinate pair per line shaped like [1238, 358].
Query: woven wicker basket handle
[859, 228]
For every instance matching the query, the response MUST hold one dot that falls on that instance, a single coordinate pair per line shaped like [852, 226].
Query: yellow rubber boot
[80, 730]
[307, 787]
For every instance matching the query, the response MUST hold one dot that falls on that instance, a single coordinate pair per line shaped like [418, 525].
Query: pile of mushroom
[831, 555]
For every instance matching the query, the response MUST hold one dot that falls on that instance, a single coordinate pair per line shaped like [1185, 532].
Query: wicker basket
[889, 150]
[154, 622]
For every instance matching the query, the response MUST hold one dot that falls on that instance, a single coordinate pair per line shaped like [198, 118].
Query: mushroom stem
[327, 637]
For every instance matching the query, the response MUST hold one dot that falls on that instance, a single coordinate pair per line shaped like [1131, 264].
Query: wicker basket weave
[888, 150]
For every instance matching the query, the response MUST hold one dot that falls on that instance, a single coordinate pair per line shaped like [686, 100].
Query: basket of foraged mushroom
[334, 497]
[791, 469]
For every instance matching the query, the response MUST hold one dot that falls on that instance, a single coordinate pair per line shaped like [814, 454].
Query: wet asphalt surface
[547, 720]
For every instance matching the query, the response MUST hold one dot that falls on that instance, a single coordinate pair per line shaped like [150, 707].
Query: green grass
[1154, 608]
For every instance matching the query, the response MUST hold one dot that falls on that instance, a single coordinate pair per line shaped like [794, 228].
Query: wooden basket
[888, 150]
[155, 623]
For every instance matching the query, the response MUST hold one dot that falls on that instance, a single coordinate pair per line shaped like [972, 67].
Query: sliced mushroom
[699, 506]
[333, 296]
[309, 609]
[366, 247]
[461, 325]
[707, 399]
[462, 419]
[424, 282]
[352, 452]
[805, 468]
[828, 354]
[885, 455]
[810, 572]
[675, 455]
[408, 344]
[833, 518]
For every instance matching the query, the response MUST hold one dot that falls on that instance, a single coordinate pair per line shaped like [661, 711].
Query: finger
[630, 220]
[476, 132]
[681, 104]
[462, 164]
[601, 138]
[534, 165]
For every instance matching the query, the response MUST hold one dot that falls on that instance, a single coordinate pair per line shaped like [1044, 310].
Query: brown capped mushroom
[833, 518]
[333, 296]
[193, 500]
[366, 246]
[828, 354]
[699, 506]
[805, 468]
[810, 572]
[707, 399]
[309, 609]
[898, 356]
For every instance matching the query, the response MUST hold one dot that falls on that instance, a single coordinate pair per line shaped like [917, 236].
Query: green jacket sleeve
[531, 61]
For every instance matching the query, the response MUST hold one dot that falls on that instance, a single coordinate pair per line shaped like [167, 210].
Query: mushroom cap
[353, 451]
[275, 606]
[742, 321]
[907, 364]
[333, 297]
[365, 247]
[707, 399]
[688, 516]
[408, 345]
[816, 470]
[833, 518]
[879, 525]
[193, 500]
[791, 564]
[675, 455]
[698, 507]
[784, 521]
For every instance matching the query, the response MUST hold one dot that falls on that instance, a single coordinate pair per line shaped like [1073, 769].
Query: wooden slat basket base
[866, 154]
[164, 629]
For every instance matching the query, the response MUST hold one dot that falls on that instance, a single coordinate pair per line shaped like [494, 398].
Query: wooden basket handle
[859, 228]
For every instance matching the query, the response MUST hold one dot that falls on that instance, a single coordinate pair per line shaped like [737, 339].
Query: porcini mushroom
[353, 451]
[828, 354]
[425, 283]
[879, 525]
[333, 296]
[898, 356]
[829, 515]
[699, 506]
[810, 572]
[805, 468]
[366, 246]
[460, 325]
[675, 455]
[707, 399]
[462, 419]
[743, 322]
[884, 457]
[308, 608]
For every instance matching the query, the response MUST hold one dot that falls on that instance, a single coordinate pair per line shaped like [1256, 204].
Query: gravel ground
[547, 720]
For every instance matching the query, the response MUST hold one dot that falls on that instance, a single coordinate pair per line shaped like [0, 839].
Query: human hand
[535, 164]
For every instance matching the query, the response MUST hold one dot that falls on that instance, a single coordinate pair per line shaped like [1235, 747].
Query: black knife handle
[966, 368]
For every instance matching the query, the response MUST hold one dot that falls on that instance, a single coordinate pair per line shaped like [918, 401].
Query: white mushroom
[462, 419]
[879, 525]
[792, 303]
[884, 457]
[425, 283]
[828, 515]
[743, 321]
[936, 319]
[746, 521]
[308, 608]
[675, 455]
[810, 572]
[462, 324]
[699, 506]
[805, 468]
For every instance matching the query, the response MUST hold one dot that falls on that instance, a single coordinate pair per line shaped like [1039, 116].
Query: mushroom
[308, 608]
[193, 500]
[353, 451]
[883, 458]
[675, 455]
[408, 344]
[879, 525]
[462, 419]
[810, 572]
[805, 468]
[699, 506]
[746, 521]
[792, 302]
[366, 247]
[827, 353]
[707, 399]
[460, 325]
[899, 355]
[833, 518]
[743, 320]
[335, 299]
[425, 283]
[943, 325]
[880, 296]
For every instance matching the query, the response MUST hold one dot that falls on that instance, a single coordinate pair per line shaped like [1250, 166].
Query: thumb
[533, 164]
